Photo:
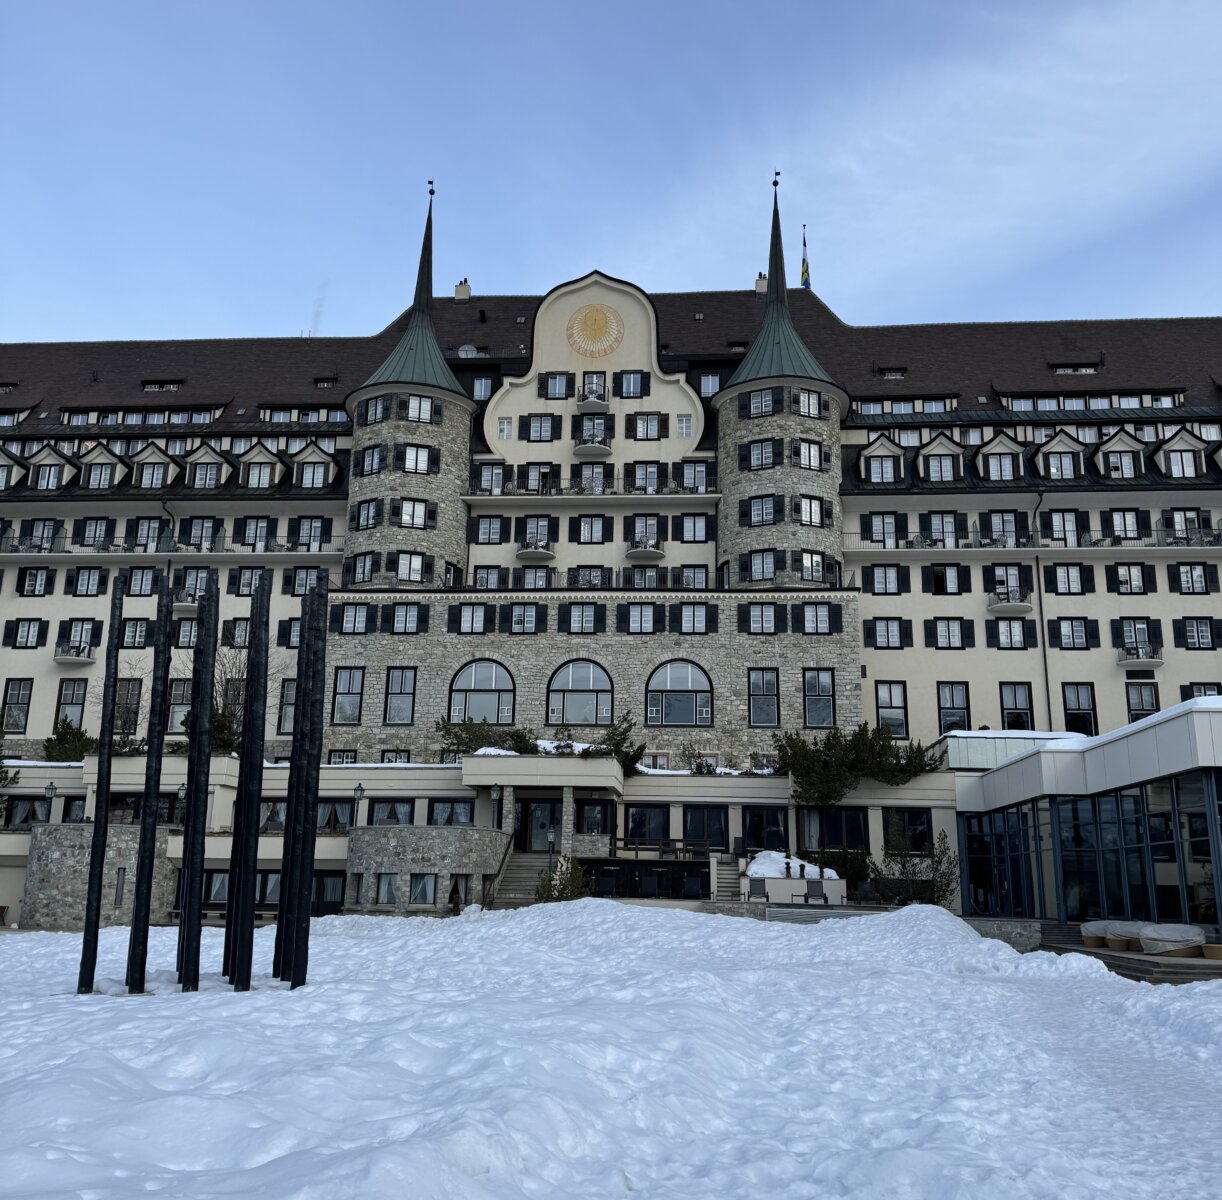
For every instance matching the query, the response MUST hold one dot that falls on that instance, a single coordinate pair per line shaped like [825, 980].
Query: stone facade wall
[447, 540]
[428, 850]
[785, 478]
[57, 877]
[629, 659]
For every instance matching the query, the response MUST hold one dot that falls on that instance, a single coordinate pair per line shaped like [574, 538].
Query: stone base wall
[419, 850]
[1022, 935]
[57, 877]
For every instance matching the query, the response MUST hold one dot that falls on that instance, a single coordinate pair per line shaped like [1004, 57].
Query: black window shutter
[434, 460]
[1149, 577]
[778, 508]
[744, 405]
[1211, 576]
[553, 529]
[430, 515]
[617, 384]
[103, 579]
[1054, 634]
[178, 577]
[621, 618]
[1106, 526]
[1185, 691]
[744, 566]
[901, 526]
[1092, 634]
[931, 633]
[836, 618]
[1026, 578]
[428, 568]
[644, 383]
[70, 581]
[778, 451]
[781, 619]
[1050, 578]
[905, 633]
[400, 456]
[1156, 632]
[540, 618]
[744, 457]
[744, 618]
[829, 512]
[574, 529]
[542, 388]
[1111, 577]
[227, 633]
[392, 562]
[600, 618]
[865, 527]
[1117, 627]
[422, 618]
[1088, 579]
[489, 618]
[454, 618]
[664, 425]
[927, 579]
[969, 635]
[78, 531]
[965, 578]
[867, 580]
[438, 411]
[744, 512]
[905, 578]
[557, 427]
[10, 633]
[659, 619]
[990, 634]
[867, 633]
[710, 617]
[44, 628]
[562, 617]
[1173, 578]
[986, 525]
[778, 559]
[62, 634]
[1029, 634]
[961, 526]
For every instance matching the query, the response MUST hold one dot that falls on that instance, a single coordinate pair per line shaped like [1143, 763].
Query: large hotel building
[726, 513]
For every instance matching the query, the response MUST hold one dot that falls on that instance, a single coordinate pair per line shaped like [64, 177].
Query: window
[1059, 466]
[648, 427]
[348, 694]
[891, 700]
[152, 475]
[71, 705]
[761, 618]
[888, 633]
[679, 693]
[694, 578]
[259, 475]
[1016, 712]
[522, 618]
[288, 706]
[763, 565]
[645, 477]
[683, 426]
[355, 618]
[944, 580]
[1079, 701]
[693, 618]
[482, 690]
[710, 384]
[907, 830]
[101, 475]
[423, 889]
[411, 568]
[882, 529]
[940, 468]
[471, 618]
[341, 757]
[417, 408]
[205, 475]
[818, 698]
[188, 631]
[952, 707]
[488, 531]
[451, 812]
[882, 468]
[388, 887]
[539, 429]
[1121, 464]
[127, 705]
[1182, 464]
[582, 618]
[579, 694]
[135, 634]
[694, 529]
[640, 618]
[656, 761]
[1198, 633]
[415, 459]
[1072, 631]
[948, 633]
[483, 389]
[36, 581]
[999, 466]
[16, 712]
[886, 581]
[313, 475]
[48, 477]
[810, 455]
[1142, 700]
[760, 455]
[400, 695]
[1192, 578]
[1011, 635]
[763, 703]
[1130, 579]
[1068, 580]
[406, 618]
[180, 705]
[590, 529]
[816, 618]
[631, 384]
[811, 510]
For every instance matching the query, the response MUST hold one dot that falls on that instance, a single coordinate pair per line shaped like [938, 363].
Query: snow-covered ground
[592, 1049]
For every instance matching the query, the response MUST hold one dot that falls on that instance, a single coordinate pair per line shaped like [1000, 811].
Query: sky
[259, 168]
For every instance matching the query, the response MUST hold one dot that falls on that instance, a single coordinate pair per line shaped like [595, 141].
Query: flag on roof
[805, 262]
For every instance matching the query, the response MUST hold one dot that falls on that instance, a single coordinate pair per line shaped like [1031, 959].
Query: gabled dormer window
[152, 475]
[881, 468]
[1121, 464]
[1181, 464]
[940, 468]
[49, 477]
[259, 475]
[205, 475]
[1059, 465]
[312, 475]
[1000, 466]
[101, 475]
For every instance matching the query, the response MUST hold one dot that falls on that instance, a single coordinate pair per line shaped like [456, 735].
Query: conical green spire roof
[418, 359]
[777, 352]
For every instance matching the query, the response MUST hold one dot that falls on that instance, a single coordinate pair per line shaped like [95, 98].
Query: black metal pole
[199, 767]
[250, 781]
[142, 896]
[309, 783]
[101, 795]
[286, 906]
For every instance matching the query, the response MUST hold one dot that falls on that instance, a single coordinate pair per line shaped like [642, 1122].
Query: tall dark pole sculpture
[101, 795]
[250, 790]
[142, 897]
[199, 762]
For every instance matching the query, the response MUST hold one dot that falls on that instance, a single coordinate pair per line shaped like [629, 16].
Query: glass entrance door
[533, 819]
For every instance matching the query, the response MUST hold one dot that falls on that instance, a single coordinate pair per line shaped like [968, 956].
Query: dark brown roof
[969, 360]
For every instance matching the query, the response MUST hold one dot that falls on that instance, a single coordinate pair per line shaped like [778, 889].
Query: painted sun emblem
[595, 330]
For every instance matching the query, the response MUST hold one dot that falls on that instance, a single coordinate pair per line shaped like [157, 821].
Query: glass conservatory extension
[1150, 852]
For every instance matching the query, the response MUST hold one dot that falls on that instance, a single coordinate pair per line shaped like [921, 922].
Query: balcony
[186, 601]
[593, 399]
[74, 653]
[535, 550]
[1009, 602]
[594, 446]
[645, 549]
[1140, 654]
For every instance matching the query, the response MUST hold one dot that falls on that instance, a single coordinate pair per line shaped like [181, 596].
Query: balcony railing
[1009, 601]
[219, 543]
[647, 579]
[1146, 653]
[74, 652]
[535, 550]
[1071, 539]
[645, 547]
[576, 486]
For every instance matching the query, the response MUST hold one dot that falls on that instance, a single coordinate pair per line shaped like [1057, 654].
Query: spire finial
[432, 193]
[776, 179]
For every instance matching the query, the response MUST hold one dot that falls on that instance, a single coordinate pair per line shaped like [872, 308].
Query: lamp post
[49, 793]
[551, 846]
[495, 792]
[182, 800]
[358, 794]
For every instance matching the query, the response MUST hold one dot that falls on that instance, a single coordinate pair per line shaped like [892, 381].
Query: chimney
[462, 292]
[761, 283]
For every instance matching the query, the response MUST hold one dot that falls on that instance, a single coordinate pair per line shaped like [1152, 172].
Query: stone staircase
[521, 877]
[730, 884]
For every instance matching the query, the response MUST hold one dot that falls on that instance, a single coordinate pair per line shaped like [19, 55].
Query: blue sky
[227, 169]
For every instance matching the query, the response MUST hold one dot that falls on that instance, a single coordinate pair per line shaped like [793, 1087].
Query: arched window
[483, 691]
[579, 694]
[679, 693]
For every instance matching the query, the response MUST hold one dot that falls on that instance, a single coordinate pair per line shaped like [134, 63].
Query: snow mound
[770, 864]
[597, 1049]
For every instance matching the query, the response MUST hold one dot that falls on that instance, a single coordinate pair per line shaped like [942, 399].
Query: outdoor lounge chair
[814, 891]
[757, 889]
